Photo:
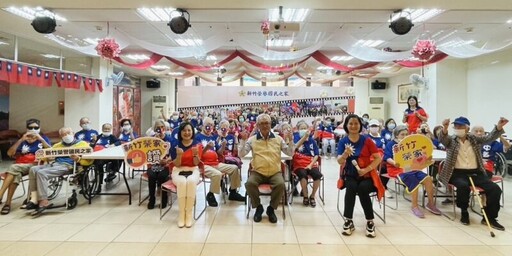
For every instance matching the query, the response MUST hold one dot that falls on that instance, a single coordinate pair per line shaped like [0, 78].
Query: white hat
[374, 122]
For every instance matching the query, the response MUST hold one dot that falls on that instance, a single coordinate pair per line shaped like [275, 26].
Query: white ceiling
[363, 19]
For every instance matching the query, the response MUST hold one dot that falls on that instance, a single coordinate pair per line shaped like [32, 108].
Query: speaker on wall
[376, 85]
[153, 84]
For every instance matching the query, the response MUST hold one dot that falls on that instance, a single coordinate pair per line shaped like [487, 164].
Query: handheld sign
[62, 152]
[145, 150]
[414, 152]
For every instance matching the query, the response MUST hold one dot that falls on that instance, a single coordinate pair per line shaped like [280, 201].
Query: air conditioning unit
[377, 108]
[158, 104]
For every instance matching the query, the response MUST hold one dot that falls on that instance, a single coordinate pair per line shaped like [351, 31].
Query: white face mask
[68, 138]
[302, 133]
[127, 127]
[106, 134]
[374, 129]
[34, 131]
[174, 118]
[86, 126]
[459, 132]
[391, 126]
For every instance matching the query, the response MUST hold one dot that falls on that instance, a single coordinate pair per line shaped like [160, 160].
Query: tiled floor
[112, 227]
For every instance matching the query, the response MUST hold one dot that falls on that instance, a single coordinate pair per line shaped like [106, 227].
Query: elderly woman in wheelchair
[40, 175]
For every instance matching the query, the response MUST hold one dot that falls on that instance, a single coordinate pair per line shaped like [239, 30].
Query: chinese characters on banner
[60, 152]
[414, 152]
[145, 150]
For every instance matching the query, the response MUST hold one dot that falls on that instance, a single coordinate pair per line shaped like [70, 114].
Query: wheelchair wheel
[90, 181]
[54, 187]
[72, 202]
[500, 165]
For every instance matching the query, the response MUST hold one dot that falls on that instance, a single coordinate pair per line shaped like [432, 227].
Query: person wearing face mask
[40, 174]
[387, 132]
[326, 129]
[230, 153]
[213, 168]
[414, 179]
[23, 151]
[305, 162]
[489, 150]
[464, 158]
[366, 119]
[105, 140]
[174, 121]
[194, 119]
[127, 134]
[87, 134]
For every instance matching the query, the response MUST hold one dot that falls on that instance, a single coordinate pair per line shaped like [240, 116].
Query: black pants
[112, 166]
[384, 180]
[157, 175]
[361, 188]
[492, 191]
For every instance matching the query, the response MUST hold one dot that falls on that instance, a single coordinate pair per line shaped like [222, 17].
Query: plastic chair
[321, 188]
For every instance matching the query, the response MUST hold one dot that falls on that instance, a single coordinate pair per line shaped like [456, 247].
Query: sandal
[312, 202]
[6, 209]
[305, 201]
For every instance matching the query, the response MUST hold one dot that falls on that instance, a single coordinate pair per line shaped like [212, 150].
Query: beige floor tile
[99, 233]
[230, 234]
[232, 218]
[317, 235]
[4, 245]
[276, 249]
[30, 248]
[177, 249]
[423, 250]
[481, 232]
[54, 232]
[324, 249]
[472, 250]
[118, 217]
[505, 250]
[153, 218]
[359, 235]
[77, 249]
[310, 219]
[142, 233]
[273, 234]
[195, 234]
[127, 249]
[226, 250]
[450, 236]
[373, 250]
[17, 230]
[406, 236]
[78, 218]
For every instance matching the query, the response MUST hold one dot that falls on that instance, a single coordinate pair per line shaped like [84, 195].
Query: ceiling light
[175, 73]
[156, 14]
[51, 56]
[179, 24]
[91, 41]
[160, 67]
[31, 13]
[189, 42]
[289, 15]
[417, 15]
[211, 57]
[509, 21]
[369, 43]
[341, 58]
[456, 43]
[137, 56]
[279, 42]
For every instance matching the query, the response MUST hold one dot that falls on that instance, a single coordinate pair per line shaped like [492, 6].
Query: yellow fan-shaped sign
[145, 150]
[414, 152]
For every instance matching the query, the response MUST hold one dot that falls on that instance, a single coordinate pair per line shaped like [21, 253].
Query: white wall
[27, 102]
[167, 88]
[489, 89]
[452, 89]
[361, 92]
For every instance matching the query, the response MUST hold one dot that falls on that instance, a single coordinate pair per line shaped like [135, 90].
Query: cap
[374, 122]
[461, 121]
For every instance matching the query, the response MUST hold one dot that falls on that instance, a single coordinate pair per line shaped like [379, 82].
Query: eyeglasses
[33, 128]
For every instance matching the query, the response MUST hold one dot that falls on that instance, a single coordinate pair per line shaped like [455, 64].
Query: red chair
[321, 188]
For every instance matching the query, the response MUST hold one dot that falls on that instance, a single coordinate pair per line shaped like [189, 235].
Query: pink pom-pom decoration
[108, 48]
[265, 27]
[424, 49]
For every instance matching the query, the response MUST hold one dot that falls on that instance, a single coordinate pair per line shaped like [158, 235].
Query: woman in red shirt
[414, 115]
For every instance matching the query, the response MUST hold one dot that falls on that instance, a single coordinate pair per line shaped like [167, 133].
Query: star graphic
[241, 93]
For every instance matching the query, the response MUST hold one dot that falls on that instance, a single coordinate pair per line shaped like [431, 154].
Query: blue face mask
[302, 133]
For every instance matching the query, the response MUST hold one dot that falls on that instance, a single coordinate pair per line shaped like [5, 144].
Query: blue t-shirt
[205, 139]
[125, 137]
[327, 128]
[230, 145]
[196, 123]
[252, 117]
[388, 151]
[174, 124]
[105, 141]
[308, 148]
[379, 141]
[86, 135]
[489, 150]
[31, 148]
[387, 135]
[363, 148]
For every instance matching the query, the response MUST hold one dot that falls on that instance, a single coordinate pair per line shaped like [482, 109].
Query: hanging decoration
[265, 27]
[424, 50]
[108, 48]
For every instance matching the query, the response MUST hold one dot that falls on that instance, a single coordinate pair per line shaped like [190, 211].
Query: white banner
[196, 96]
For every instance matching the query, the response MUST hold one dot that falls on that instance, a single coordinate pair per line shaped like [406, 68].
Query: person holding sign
[414, 115]
[359, 157]
[409, 174]
[40, 174]
[464, 159]
[186, 155]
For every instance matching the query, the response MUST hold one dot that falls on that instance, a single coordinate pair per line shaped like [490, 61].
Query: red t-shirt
[414, 122]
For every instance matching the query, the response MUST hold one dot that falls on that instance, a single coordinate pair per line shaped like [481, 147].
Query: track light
[401, 25]
[179, 24]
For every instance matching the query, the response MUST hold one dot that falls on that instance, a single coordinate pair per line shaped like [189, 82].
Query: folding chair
[295, 183]
[373, 196]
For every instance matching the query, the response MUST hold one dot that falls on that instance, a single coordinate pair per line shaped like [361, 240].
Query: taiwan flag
[90, 84]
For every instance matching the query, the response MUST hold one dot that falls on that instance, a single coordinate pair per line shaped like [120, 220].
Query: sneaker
[433, 209]
[417, 212]
[235, 196]
[271, 214]
[388, 194]
[258, 213]
[447, 201]
[348, 228]
[464, 218]
[210, 198]
[110, 177]
[494, 224]
[370, 229]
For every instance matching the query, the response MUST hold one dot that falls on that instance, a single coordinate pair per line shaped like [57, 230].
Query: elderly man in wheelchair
[61, 165]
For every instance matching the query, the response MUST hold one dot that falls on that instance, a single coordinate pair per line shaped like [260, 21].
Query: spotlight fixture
[179, 24]
[44, 24]
[402, 24]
